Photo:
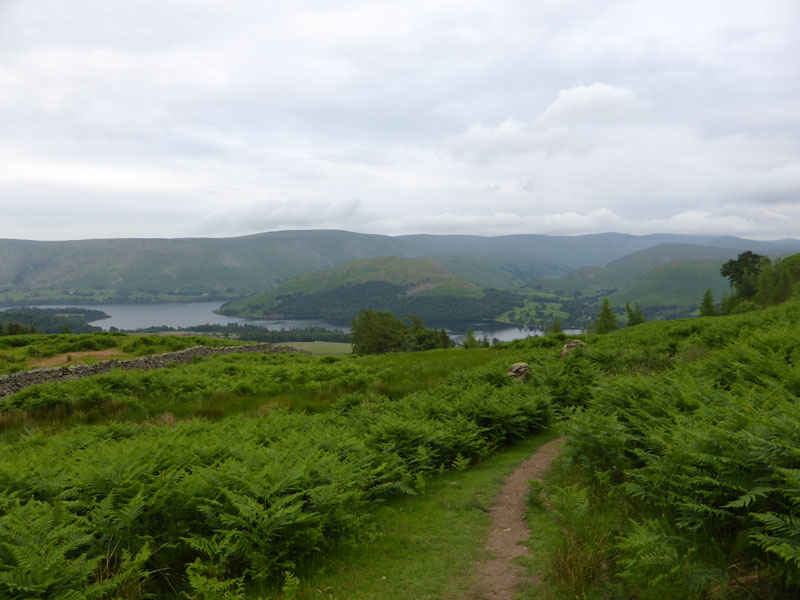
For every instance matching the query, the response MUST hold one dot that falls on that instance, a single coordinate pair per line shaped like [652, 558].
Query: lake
[189, 314]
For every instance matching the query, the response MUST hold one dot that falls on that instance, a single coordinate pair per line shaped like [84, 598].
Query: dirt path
[61, 359]
[499, 575]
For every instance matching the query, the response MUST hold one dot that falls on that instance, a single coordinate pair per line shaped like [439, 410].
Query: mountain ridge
[163, 269]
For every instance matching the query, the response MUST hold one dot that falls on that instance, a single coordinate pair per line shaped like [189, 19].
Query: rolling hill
[146, 270]
[400, 285]
[679, 283]
[628, 269]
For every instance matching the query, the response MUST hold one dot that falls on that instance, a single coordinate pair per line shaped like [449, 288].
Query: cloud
[273, 215]
[507, 223]
[565, 125]
[230, 117]
[597, 103]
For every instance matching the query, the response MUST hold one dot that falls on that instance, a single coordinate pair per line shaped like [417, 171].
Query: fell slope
[679, 283]
[627, 270]
[400, 285]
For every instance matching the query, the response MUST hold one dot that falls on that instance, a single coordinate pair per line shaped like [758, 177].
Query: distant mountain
[403, 286]
[679, 283]
[628, 269]
[141, 270]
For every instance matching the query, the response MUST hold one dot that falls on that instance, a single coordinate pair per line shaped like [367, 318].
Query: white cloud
[597, 104]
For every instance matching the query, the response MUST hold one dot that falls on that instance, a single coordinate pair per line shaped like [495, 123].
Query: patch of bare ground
[500, 574]
[77, 357]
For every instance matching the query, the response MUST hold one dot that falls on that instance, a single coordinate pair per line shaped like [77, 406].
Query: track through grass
[425, 547]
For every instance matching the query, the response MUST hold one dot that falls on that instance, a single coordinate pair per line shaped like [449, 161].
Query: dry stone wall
[14, 382]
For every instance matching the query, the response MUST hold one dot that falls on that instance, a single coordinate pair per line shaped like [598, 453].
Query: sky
[207, 118]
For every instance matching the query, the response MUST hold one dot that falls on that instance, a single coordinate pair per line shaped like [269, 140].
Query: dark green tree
[707, 306]
[635, 315]
[556, 326]
[774, 285]
[606, 320]
[743, 272]
[376, 333]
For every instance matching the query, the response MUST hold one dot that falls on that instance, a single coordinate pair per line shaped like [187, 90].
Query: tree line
[756, 282]
[51, 320]
[379, 332]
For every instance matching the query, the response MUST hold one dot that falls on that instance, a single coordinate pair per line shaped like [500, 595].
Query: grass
[571, 542]
[321, 348]
[423, 547]
[23, 352]
[535, 310]
[417, 370]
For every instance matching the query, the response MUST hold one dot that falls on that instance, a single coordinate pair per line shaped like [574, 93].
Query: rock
[571, 345]
[519, 370]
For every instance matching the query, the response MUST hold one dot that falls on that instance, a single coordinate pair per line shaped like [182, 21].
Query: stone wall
[14, 382]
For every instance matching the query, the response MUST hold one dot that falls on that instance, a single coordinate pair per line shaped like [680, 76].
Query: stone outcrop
[14, 382]
[519, 370]
[572, 345]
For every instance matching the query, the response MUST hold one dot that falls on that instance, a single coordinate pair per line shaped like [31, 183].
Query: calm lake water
[189, 314]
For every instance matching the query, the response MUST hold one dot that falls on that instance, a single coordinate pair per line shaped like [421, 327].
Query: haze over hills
[142, 270]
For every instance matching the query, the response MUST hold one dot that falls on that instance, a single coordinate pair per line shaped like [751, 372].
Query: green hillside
[679, 283]
[401, 285]
[417, 276]
[258, 475]
[146, 270]
[626, 270]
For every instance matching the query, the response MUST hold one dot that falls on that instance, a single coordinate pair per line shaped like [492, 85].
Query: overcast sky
[175, 118]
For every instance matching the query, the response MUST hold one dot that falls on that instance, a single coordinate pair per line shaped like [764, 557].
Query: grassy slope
[627, 270]
[407, 272]
[358, 572]
[321, 348]
[681, 283]
[665, 476]
[416, 275]
[21, 352]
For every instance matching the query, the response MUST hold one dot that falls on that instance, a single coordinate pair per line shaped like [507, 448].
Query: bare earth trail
[499, 575]
[61, 359]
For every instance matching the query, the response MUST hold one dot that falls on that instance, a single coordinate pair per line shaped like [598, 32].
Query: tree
[774, 285]
[556, 326]
[635, 316]
[471, 342]
[707, 306]
[376, 332]
[743, 272]
[606, 320]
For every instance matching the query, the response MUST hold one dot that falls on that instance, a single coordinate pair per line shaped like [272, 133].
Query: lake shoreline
[185, 315]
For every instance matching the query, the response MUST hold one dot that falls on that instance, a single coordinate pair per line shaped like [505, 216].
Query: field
[266, 476]
[321, 348]
[22, 352]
